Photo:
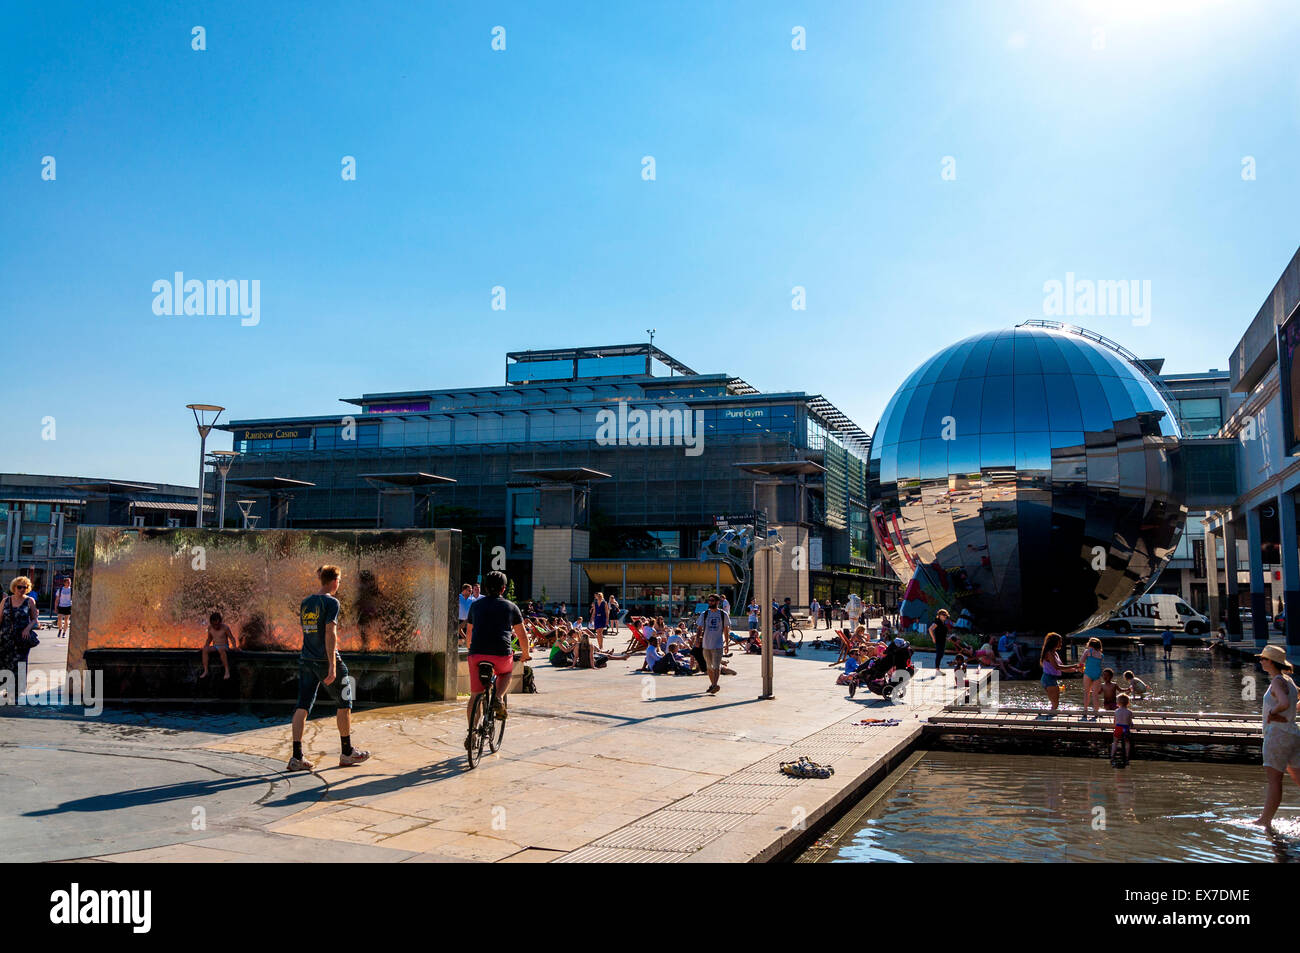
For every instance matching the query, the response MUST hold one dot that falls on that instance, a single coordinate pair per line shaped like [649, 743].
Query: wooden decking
[1149, 727]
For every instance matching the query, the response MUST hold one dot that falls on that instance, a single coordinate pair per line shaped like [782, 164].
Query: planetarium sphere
[1029, 476]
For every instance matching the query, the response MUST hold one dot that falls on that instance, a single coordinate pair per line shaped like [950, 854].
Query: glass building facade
[658, 500]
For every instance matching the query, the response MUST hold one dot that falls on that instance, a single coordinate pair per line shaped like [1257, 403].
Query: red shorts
[503, 665]
[1121, 731]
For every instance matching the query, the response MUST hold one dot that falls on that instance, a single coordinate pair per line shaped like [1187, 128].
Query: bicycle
[788, 631]
[486, 730]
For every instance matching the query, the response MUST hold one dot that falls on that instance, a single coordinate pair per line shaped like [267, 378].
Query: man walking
[814, 610]
[320, 664]
[713, 627]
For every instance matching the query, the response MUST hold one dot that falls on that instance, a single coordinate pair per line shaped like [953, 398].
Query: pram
[882, 675]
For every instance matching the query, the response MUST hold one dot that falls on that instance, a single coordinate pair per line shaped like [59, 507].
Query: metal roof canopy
[782, 467]
[613, 350]
[414, 478]
[271, 483]
[179, 507]
[843, 425]
[564, 474]
[111, 486]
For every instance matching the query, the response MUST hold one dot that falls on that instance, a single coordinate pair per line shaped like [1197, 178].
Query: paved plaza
[603, 764]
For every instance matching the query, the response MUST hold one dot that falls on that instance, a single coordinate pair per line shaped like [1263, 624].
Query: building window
[1200, 416]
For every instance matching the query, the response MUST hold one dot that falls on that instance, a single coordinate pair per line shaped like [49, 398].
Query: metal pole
[766, 609]
[221, 507]
[203, 444]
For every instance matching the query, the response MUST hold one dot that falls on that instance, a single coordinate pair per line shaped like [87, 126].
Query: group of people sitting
[875, 664]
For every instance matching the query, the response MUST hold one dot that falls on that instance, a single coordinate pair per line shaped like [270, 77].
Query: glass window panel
[1033, 451]
[977, 359]
[997, 406]
[1002, 357]
[1026, 354]
[1031, 402]
[997, 450]
[940, 415]
[934, 459]
[1062, 403]
[1049, 354]
[1093, 403]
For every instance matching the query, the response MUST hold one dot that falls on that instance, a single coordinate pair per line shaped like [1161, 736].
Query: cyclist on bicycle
[492, 621]
[785, 623]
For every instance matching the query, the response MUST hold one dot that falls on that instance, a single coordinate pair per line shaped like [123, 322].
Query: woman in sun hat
[1281, 736]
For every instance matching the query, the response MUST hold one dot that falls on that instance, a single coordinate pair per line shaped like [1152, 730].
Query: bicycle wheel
[478, 736]
[795, 636]
[496, 731]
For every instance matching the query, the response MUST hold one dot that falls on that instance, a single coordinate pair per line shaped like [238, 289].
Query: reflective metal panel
[1022, 474]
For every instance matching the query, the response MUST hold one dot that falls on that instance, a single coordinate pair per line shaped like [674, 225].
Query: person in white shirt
[814, 610]
[63, 604]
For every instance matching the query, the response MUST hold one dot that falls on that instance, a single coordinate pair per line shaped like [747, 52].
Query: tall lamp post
[205, 426]
[223, 460]
[481, 541]
[245, 507]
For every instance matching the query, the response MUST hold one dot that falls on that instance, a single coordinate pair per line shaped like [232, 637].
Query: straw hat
[1274, 653]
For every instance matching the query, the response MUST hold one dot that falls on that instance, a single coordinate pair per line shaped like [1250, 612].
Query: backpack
[530, 681]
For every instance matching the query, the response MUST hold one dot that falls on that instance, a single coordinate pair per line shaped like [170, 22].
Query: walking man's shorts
[311, 678]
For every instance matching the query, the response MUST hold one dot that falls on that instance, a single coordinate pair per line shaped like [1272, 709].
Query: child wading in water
[1123, 726]
[1107, 689]
[1133, 685]
[1092, 657]
[220, 638]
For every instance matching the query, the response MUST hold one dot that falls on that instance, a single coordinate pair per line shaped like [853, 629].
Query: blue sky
[1114, 155]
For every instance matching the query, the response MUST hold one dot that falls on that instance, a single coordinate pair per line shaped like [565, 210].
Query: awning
[178, 507]
[686, 572]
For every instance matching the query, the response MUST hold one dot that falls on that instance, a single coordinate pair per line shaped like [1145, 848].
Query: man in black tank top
[939, 632]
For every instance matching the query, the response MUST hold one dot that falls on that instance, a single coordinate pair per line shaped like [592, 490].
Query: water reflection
[960, 807]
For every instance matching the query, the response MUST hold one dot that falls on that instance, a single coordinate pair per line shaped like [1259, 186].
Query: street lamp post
[245, 507]
[481, 541]
[223, 460]
[205, 426]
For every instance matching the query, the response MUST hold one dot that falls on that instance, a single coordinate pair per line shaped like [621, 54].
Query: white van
[1158, 613]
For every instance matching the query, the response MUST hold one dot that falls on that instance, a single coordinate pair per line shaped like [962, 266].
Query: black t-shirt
[940, 632]
[316, 612]
[493, 619]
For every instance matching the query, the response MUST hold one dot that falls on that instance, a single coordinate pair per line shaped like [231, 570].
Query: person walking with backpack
[713, 627]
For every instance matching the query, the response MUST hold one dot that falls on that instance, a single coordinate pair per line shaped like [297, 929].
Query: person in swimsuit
[1281, 736]
[1107, 689]
[220, 638]
[1133, 685]
[1053, 668]
[1123, 727]
[1092, 658]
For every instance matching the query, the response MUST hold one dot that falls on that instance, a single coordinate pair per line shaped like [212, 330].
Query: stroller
[881, 675]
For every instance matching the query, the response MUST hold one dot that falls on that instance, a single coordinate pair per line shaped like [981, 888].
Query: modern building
[585, 468]
[1255, 530]
[1203, 402]
[42, 513]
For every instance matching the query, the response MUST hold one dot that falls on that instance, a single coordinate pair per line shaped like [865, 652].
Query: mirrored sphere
[1026, 475]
